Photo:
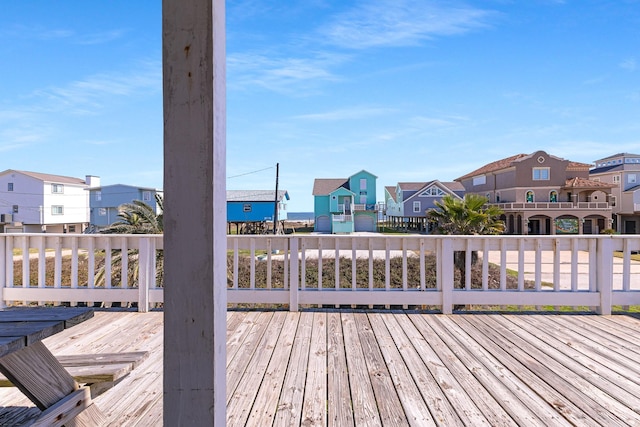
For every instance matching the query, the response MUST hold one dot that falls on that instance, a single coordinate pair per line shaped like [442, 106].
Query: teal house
[345, 205]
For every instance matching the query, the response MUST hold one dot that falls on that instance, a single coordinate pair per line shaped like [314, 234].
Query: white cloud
[629, 64]
[84, 96]
[281, 74]
[401, 23]
[355, 113]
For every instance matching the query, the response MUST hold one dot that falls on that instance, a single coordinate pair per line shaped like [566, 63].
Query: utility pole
[275, 206]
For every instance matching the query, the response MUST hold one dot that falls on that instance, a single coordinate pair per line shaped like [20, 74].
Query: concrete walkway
[565, 268]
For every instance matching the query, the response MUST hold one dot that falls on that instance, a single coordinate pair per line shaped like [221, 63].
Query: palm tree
[468, 216]
[136, 217]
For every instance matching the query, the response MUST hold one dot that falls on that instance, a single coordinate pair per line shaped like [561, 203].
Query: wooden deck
[374, 368]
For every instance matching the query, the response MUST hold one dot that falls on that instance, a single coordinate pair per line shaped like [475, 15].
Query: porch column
[195, 242]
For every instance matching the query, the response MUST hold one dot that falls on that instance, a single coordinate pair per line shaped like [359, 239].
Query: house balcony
[525, 206]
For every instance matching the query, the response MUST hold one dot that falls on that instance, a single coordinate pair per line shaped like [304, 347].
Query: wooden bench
[100, 371]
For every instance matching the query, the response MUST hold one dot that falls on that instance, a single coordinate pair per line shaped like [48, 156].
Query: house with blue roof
[345, 205]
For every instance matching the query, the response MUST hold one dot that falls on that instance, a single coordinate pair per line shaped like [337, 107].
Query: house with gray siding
[407, 203]
[105, 202]
[621, 170]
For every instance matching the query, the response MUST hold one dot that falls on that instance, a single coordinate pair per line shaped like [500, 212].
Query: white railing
[317, 270]
[342, 218]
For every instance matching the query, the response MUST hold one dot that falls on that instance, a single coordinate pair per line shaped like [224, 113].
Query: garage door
[323, 224]
[364, 223]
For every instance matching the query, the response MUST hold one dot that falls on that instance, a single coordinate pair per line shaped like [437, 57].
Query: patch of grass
[634, 257]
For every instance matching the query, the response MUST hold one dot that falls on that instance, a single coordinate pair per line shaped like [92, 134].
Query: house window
[15, 208]
[146, 196]
[616, 179]
[631, 178]
[72, 229]
[553, 196]
[246, 207]
[363, 183]
[488, 196]
[613, 201]
[10, 186]
[57, 188]
[497, 197]
[98, 195]
[416, 206]
[102, 211]
[480, 180]
[529, 197]
[57, 210]
[540, 174]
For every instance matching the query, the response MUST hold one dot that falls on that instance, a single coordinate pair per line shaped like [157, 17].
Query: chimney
[92, 181]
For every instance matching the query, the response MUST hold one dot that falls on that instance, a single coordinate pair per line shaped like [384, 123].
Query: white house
[32, 202]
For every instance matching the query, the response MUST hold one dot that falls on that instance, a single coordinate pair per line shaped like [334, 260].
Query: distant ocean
[300, 216]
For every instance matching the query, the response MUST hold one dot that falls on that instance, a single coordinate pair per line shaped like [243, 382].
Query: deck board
[359, 368]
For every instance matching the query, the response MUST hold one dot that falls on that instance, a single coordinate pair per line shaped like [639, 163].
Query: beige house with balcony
[623, 171]
[543, 194]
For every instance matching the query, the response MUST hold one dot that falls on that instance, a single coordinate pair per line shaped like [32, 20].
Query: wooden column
[193, 53]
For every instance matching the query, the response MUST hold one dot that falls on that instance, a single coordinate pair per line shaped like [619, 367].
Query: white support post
[447, 275]
[294, 274]
[144, 273]
[195, 240]
[604, 274]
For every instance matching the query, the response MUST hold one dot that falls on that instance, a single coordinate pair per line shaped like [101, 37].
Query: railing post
[293, 274]
[447, 274]
[144, 260]
[604, 274]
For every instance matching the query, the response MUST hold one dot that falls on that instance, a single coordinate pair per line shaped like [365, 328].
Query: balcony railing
[553, 205]
[342, 218]
[317, 270]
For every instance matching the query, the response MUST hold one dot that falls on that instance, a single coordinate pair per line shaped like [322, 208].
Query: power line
[249, 173]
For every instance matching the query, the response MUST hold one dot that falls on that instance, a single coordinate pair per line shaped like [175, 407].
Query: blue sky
[410, 90]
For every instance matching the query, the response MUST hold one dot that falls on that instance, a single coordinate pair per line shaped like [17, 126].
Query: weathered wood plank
[237, 366]
[32, 331]
[444, 365]
[339, 407]
[597, 381]
[484, 400]
[289, 407]
[520, 401]
[365, 411]
[414, 408]
[412, 345]
[262, 413]
[314, 410]
[241, 402]
[562, 394]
